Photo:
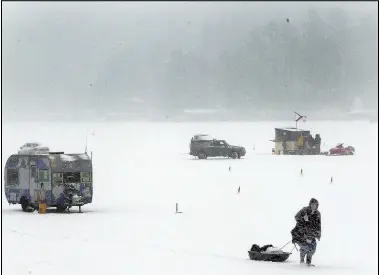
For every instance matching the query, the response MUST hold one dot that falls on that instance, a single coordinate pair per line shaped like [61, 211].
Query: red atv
[340, 150]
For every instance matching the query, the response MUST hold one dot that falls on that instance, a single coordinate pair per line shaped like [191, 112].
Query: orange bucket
[42, 208]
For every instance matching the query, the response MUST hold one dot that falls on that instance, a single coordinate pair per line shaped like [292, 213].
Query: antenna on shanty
[299, 117]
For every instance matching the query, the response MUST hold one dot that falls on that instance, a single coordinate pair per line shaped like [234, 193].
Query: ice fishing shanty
[56, 179]
[294, 141]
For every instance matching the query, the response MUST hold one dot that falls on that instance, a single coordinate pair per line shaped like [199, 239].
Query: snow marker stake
[177, 209]
[331, 179]
[230, 168]
[301, 171]
[239, 189]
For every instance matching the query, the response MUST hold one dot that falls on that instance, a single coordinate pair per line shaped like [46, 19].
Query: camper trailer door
[33, 181]
[44, 182]
[39, 180]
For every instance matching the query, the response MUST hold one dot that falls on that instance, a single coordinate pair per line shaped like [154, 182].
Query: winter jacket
[310, 229]
[300, 141]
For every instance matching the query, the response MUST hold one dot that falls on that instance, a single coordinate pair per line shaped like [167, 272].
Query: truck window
[43, 175]
[12, 177]
[57, 178]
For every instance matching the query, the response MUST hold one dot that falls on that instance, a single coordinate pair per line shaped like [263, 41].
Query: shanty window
[43, 175]
[57, 178]
[85, 177]
[12, 177]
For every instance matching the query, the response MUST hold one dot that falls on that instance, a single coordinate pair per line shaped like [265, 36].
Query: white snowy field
[142, 169]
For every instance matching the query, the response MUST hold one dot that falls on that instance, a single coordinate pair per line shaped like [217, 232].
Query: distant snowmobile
[340, 150]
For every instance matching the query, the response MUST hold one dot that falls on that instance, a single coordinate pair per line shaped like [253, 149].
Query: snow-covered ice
[141, 170]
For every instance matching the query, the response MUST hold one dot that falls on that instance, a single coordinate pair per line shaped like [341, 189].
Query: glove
[318, 238]
[306, 217]
[308, 241]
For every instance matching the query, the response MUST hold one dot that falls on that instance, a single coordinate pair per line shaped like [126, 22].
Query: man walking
[307, 230]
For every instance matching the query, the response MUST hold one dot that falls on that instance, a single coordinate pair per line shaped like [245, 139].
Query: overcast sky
[104, 55]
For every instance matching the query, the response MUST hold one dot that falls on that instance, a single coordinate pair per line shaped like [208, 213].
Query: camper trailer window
[85, 177]
[57, 178]
[43, 175]
[12, 177]
[13, 162]
[71, 177]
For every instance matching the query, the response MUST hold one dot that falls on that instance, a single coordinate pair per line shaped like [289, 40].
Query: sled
[269, 256]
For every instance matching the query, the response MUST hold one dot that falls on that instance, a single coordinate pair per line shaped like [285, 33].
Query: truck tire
[201, 155]
[234, 155]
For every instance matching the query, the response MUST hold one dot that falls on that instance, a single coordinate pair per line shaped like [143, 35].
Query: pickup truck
[203, 147]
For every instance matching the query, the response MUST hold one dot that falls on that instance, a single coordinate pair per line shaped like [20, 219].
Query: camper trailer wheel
[25, 205]
[234, 155]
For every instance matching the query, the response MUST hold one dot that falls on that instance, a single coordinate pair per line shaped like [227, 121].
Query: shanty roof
[291, 129]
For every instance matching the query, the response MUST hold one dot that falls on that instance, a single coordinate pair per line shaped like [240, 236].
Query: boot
[309, 261]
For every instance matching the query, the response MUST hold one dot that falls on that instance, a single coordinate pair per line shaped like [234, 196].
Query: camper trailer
[287, 142]
[56, 179]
